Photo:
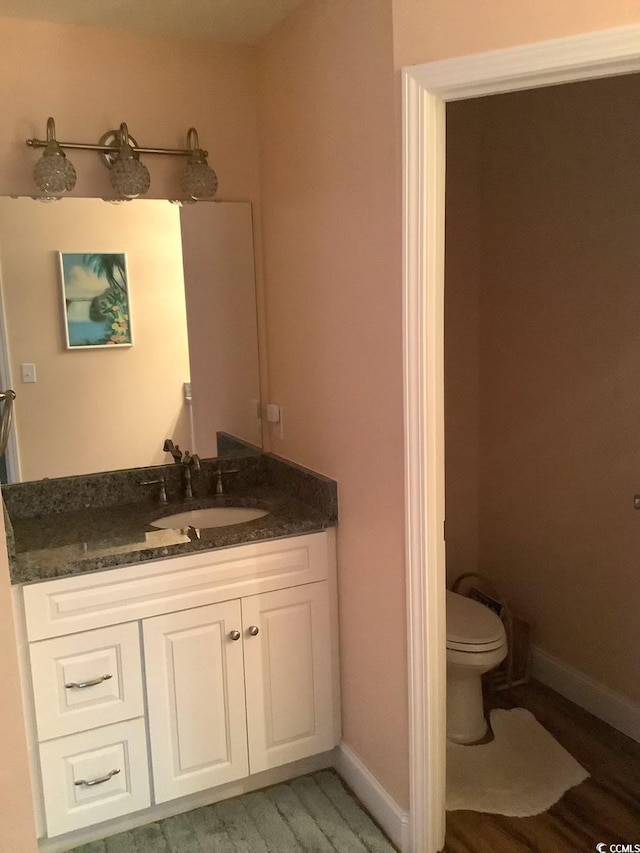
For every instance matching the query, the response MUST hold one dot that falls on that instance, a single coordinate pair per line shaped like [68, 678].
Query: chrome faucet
[189, 461]
[173, 449]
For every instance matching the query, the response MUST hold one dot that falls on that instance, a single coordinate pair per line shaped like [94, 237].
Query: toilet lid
[470, 623]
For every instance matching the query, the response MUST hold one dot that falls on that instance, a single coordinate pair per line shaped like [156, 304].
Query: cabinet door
[288, 675]
[195, 690]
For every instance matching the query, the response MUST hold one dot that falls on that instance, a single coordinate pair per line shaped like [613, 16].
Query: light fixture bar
[109, 149]
[55, 175]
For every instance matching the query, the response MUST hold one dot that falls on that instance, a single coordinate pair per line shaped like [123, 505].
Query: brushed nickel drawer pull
[89, 783]
[80, 685]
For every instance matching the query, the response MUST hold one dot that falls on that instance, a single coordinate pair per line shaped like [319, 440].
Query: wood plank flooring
[604, 808]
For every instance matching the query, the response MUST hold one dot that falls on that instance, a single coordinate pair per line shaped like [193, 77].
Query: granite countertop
[88, 540]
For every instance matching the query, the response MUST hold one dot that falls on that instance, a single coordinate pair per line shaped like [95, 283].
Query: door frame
[426, 90]
[12, 454]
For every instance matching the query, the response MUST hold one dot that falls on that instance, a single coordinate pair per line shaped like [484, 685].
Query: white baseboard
[373, 796]
[617, 710]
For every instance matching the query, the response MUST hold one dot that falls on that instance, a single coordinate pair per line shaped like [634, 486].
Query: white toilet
[476, 643]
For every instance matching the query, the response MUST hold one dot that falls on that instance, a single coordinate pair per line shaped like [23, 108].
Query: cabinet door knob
[253, 630]
[81, 685]
[89, 783]
[235, 635]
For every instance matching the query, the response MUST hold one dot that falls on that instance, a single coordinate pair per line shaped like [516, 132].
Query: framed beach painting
[95, 298]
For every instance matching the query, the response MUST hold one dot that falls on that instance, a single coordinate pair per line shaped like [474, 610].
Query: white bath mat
[522, 772]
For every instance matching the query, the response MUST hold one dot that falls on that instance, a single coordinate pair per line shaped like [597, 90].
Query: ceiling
[233, 21]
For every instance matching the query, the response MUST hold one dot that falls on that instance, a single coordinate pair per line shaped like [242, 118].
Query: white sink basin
[217, 516]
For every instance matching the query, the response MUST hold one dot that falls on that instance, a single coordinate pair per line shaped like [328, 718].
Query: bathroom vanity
[153, 684]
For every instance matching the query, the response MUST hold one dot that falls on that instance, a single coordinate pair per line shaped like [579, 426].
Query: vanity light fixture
[54, 174]
[198, 180]
[129, 177]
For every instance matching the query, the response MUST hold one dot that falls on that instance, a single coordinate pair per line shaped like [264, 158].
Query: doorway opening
[426, 89]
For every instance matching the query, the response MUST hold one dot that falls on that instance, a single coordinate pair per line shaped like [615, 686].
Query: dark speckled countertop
[92, 538]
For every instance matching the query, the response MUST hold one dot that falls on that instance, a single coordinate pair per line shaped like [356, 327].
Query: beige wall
[90, 80]
[104, 408]
[559, 361]
[427, 30]
[330, 182]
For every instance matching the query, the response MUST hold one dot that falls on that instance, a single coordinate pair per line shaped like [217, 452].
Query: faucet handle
[218, 474]
[163, 491]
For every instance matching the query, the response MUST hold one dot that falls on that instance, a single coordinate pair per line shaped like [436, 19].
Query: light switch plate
[28, 372]
[273, 413]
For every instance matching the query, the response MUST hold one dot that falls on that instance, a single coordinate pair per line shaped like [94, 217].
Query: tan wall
[330, 182]
[560, 357]
[103, 408]
[427, 30]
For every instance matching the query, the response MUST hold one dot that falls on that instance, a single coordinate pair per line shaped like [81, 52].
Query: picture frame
[95, 300]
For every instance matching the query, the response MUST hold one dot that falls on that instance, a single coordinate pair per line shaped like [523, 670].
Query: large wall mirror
[192, 367]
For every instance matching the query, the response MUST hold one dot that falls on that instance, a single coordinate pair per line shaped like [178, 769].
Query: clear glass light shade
[198, 181]
[129, 177]
[53, 173]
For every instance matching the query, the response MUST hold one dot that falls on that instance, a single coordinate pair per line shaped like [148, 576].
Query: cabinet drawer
[94, 776]
[87, 680]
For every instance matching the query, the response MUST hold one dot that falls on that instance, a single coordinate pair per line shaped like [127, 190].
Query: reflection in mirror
[104, 408]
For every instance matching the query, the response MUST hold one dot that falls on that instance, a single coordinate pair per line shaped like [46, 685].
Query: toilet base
[466, 722]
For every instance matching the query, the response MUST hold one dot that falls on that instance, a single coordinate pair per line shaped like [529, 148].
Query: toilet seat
[475, 647]
[472, 627]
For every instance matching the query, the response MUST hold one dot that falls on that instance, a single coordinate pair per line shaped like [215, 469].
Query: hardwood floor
[604, 808]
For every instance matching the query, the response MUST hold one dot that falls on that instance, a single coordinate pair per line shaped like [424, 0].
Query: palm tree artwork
[95, 289]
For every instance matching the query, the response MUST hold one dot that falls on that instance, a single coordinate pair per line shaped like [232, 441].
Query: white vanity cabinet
[217, 665]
